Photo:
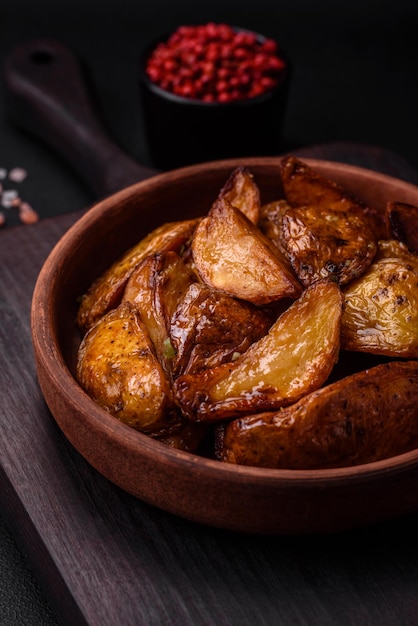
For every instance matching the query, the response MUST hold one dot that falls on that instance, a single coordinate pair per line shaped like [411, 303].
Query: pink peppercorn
[215, 63]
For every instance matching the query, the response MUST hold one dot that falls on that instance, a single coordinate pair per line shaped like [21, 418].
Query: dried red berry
[215, 63]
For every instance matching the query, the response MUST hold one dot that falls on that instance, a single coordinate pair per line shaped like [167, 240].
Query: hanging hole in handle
[42, 57]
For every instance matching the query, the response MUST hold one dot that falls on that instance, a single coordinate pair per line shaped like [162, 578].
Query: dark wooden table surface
[105, 558]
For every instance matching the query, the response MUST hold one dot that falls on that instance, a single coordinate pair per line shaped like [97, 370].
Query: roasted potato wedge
[233, 256]
[381, 307]
[365, 417]
[118, 368]
[106, 291]
[243, 193]
[403, 223]
[271, 224]
[323, 242]
[303, 186]
[294, 358]
[155, 288]
[209, 328]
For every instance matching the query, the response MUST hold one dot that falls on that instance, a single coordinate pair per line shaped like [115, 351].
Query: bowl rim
[50, 356]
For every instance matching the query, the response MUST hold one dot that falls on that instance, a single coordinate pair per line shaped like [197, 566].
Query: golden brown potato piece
[294, 358]
[209, 328]
[271, 224]
[155, 287]
[403, 223]
[365, 417]
[118, 368]
[106, 291]
[243, 193]
[304, 186]
[393, 249]
[232, 255]
[322, 242]
[381, 307]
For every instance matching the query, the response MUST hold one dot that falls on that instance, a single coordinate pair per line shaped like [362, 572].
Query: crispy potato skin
[271, 219]
[394, 249]
[381, 307]
[325, 230]
[365, 417]
[243, 193]
[295, 357]
[271, 225]
[233, 256]
[322, 242]
[118, 368]
[155, 288]
[403, 223]
[209, 328]
[106, 291]
[303, 186]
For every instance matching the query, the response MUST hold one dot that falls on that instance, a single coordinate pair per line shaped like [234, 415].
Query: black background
[355, 79]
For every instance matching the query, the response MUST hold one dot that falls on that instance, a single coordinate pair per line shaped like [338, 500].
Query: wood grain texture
[48, 94]
[106, 558]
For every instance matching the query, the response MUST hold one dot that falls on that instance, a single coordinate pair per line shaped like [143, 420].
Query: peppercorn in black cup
[213, 92]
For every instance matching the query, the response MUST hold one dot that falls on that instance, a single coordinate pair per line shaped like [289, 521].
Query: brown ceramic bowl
[207, 491]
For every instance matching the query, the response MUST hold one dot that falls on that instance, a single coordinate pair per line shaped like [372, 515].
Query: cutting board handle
[47, 95]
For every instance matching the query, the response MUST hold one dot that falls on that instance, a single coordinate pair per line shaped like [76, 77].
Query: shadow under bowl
[239, 498]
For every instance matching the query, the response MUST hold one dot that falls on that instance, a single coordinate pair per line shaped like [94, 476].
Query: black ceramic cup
[182, 131]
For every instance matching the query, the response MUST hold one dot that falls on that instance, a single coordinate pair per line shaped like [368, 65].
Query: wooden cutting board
[106, 558]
